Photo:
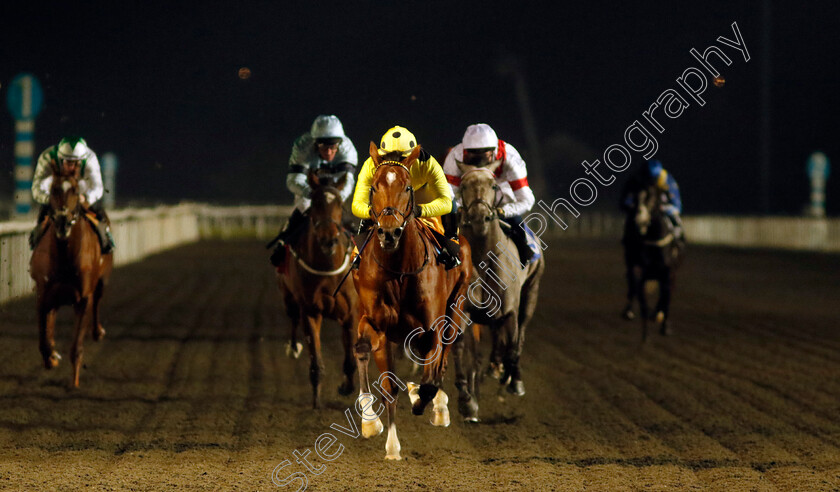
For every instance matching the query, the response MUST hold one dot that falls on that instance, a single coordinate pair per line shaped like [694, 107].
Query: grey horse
[503, 294]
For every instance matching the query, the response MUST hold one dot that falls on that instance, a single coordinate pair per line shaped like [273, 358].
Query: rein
[326, 273]
[482, 201]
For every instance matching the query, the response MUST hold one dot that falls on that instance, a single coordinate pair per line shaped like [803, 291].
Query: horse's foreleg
[84, 309]
[97, 330]
[348, 339]
[368, 340]
[46, 334]
[639, 277]
[293, 346]
[494, 370]
[513, 350]
[385, 362]
[312, 332]
[465, 378]
[627, 313]
[664, 302]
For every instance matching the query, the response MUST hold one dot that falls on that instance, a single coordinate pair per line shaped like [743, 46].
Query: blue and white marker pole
[24, 99]
[818, 170]
[109, 175]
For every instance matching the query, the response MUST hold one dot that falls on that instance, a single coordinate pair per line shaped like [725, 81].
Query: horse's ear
[312, 179]
[374, 155]
[342, 182]
[412, 157]
[493, 166]
[463, 167]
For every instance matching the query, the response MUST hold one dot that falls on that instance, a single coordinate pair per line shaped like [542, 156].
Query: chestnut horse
[69, 269]
[318, 260]
[405, 296]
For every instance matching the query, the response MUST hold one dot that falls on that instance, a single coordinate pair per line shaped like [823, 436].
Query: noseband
[391, 211]
[482, 201]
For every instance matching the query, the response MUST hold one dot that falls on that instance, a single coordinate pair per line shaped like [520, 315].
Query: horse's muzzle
[389, 238]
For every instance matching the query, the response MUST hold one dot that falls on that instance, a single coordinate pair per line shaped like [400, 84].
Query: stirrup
[449, 260]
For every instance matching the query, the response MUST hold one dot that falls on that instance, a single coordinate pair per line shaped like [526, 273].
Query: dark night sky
[158, 85]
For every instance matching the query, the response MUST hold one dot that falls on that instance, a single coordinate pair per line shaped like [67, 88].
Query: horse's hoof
[628, 314]
[98, 333]
[495, 370]
[666, 331]
[516, 387]
[440, 418]
[472, 420]
[395, 457]
[372, 428]
[52, 361]
[468, 409]
[294, 353]
[660, 317]
[346, 388]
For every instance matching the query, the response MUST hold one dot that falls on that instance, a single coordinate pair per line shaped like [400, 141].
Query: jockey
[481, 147]
[432, 195]
[326, 150]
[652, 173]
[69, 154]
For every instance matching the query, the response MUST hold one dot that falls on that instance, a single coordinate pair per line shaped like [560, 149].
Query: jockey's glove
[500, 213]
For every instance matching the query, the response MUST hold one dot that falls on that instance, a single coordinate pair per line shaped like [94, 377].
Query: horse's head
[325, 211]
[478, 197]
[648, 210]
[391, 195]
[65, 199]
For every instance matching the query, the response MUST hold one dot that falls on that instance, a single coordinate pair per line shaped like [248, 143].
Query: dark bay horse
[652, 251]
[503, 277]
[69, 269]
[405, 297]
[319, 258]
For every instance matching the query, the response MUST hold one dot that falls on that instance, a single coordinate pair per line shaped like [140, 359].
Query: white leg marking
[413, 392]
[392, 445]
[371, 425]
[440, 416]
[294, 353]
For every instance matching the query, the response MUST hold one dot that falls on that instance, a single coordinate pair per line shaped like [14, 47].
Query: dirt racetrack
[191, 390]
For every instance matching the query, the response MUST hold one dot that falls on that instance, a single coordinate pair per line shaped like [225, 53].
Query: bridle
[342, 231]
[480, 200]
[65, 215]
[406, 214]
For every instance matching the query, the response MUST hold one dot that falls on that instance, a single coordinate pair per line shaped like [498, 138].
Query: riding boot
[520, 239]
[287, 236]
[449, 251]
[106, 240]
[40, 227]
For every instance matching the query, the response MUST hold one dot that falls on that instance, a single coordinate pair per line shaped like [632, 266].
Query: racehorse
[318, 260]
[503, 277]
[68, 268]
[405, 297]
[652, 251]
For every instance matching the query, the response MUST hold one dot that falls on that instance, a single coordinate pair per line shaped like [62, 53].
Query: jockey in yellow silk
[432, 192]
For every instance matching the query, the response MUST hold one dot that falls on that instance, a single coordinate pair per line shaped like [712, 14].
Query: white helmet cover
[73, 149]
[480, 136]
[327, 126]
